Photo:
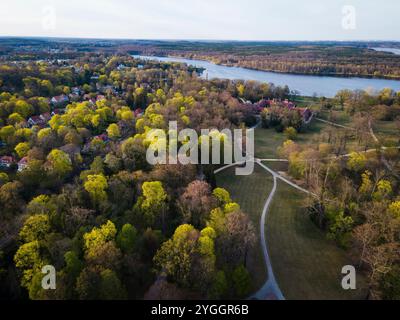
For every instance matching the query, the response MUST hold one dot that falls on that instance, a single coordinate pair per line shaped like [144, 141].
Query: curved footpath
[270, 290]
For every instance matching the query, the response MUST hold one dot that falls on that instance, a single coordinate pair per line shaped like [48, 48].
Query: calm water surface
[305, 84]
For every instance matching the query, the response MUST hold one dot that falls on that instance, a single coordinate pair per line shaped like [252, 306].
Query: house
[87, 96]
[74, 97]
[263, 103]
[6, 161]
[121, 67]
[40, 120]
[23, 164]
[72, 150]
[103, 137]
[36, 121]
[138, 113]
[57, 111]
[109, 89]
[46, 117]
[306, 113]
[58, 100]
[76, 91]
[289, 104]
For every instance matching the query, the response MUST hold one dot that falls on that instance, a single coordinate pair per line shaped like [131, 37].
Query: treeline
[79, 194]
[312, 60]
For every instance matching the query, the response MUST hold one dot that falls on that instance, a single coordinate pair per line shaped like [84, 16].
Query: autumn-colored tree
[96, 185]
[196, 203]
[59, 163]
[153, 203]
[113, 131]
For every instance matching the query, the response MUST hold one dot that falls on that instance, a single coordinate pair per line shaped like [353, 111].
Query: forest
[312, 58]
[77, 193]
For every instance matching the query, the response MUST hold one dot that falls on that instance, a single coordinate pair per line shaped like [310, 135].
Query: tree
[222, 196]
[188, 258]
[3, 178]
[96, 186]
[357, 161]
[127, 238]
[110, 286]
[241, 281]
[237, 239]
[113, 131]
[15, 118]
[99, 236]
[341, 228]
[23, 108]
[196, 203]
[383, 190]
[73, 264]
[394, 209]
[59, 163]
[6, 132]
[175, 254]
[220, 285]
[10, 197]
[35, 228]
[290, 133]
[88, 283]
[28, 259]
[152, 203]
[22, 149]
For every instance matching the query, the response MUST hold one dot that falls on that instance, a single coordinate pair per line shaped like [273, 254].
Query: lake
[391, 50]
[307, 85]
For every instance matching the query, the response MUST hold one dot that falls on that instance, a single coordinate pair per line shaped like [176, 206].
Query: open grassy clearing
[305, 263]
[250, 192]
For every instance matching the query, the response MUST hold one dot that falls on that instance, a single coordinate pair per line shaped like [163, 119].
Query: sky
[203, 19]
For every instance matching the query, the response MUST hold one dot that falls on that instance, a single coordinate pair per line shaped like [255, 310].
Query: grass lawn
[250, 192]
[305, 263]
[267, 142]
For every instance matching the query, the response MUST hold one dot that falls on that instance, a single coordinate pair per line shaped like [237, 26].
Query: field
[305, 263]
[251, 193]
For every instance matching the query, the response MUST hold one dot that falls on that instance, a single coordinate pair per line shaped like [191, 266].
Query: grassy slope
[306, 264]
[251, 193]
